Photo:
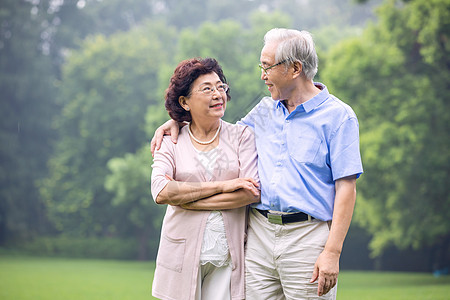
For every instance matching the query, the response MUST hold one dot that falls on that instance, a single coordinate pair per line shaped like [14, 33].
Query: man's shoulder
[264, 106]
[339, 107]
[236, 128]
[267, 102]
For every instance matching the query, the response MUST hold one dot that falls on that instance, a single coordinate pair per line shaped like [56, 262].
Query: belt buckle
[275, 218]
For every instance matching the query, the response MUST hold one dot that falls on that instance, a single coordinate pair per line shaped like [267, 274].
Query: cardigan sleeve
[247, 155]
[163, 164]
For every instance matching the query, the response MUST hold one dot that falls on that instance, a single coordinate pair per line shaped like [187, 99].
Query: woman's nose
[216, 93]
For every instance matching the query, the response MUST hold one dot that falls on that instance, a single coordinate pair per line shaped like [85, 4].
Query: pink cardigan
[178, 257]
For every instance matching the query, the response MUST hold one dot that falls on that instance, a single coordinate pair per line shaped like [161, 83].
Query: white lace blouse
[215, 246]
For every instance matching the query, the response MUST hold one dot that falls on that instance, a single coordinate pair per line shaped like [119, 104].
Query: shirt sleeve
[248, 157]
[248, 120]
[163, 164]
[345, 155]
[259, 114]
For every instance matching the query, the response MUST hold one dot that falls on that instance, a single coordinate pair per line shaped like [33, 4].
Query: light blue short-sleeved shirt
[301, 154]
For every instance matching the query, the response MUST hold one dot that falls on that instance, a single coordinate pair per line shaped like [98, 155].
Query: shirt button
[278, 164]
[287, 121]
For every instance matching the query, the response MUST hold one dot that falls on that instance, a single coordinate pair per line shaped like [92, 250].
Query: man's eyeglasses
[221, 88]
[270, 67]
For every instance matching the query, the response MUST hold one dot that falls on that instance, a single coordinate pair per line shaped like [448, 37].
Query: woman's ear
[182, 101]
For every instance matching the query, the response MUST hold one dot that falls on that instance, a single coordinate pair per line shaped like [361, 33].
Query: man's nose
[263, 75]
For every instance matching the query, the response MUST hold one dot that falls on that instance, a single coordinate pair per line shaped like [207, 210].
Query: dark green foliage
[396, 78]
[105, 91]
[27, 106]
[82, 91]
[69, 246]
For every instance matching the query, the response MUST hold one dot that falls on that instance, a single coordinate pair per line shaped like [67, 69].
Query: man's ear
[298, 68]
[182, 101]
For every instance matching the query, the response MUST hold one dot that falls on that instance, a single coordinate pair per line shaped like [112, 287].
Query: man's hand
[171, 128]
[326, 270]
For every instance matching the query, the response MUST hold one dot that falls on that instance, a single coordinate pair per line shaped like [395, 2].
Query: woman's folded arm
[178, 193]
[222, 201]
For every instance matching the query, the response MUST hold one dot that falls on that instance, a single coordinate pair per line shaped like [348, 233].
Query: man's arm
[172, 127]
[326, 269]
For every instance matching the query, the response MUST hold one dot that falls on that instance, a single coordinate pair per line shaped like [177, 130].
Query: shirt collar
[314, 101]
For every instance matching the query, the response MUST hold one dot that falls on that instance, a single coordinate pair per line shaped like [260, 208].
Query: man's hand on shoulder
[171, 128]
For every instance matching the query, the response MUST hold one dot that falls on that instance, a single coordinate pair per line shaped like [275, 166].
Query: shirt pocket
[303, 149]
[171, 253]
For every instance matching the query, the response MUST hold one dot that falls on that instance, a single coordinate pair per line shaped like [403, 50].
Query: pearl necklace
[207, 142]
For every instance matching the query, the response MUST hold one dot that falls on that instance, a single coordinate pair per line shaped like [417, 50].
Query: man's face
[276, 78]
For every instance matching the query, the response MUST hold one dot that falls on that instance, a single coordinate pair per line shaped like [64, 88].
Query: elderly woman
[207, 179]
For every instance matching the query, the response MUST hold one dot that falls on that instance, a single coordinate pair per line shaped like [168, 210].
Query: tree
[34, 36]
[396, 78]
[67, 23]
[129, 181]
[26, 108]
[105, 91]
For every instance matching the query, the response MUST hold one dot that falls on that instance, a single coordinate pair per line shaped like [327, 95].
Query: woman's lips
[218, 105]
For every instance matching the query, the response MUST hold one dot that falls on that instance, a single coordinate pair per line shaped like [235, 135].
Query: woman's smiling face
[202, 105]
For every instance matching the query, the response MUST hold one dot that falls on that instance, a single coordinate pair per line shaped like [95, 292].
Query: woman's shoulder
[169, 144]
[166, 144]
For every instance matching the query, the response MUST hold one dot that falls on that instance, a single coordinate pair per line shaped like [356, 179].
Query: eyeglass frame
[270, 67]
[214, 88]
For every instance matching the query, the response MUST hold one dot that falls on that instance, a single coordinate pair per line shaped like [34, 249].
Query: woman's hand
[223, 201]
[226, 194]
[248, 184]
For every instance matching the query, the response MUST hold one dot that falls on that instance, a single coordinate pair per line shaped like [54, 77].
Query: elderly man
[308, 162]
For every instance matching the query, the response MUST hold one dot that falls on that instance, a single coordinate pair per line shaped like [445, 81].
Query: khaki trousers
[280, 259]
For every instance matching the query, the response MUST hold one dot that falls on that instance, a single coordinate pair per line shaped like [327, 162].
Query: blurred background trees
[27, 107]
[397, 75]
[82, 87]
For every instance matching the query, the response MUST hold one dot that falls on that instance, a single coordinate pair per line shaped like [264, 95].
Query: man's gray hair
[294, 46]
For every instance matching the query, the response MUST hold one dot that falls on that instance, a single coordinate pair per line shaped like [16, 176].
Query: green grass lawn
[30, 278]
[392, 286]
